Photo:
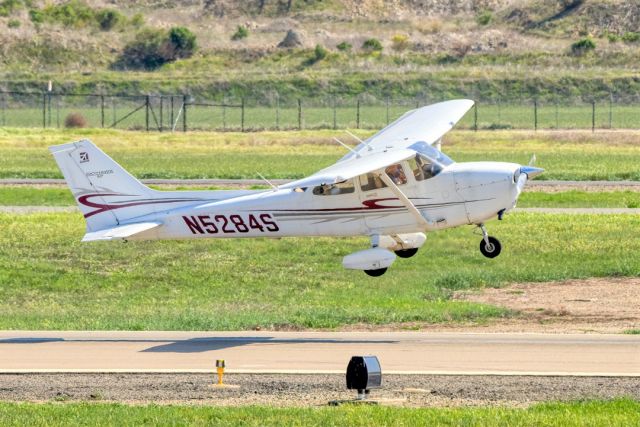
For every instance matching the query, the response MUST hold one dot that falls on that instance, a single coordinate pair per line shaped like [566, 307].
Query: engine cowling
[369, 259]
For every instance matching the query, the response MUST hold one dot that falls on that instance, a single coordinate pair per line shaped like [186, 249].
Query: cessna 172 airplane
[393, 187]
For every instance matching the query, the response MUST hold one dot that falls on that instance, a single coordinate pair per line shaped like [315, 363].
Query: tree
[183, 42]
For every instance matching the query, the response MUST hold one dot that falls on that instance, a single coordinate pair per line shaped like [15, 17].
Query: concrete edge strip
[318, 372]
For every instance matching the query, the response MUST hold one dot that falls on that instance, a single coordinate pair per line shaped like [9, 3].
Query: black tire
[491, 250]
[376, 273]
[407, 253]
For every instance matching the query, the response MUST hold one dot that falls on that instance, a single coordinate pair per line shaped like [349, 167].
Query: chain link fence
[190, 113]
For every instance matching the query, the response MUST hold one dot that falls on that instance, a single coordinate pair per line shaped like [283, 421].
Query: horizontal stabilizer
[120, 232]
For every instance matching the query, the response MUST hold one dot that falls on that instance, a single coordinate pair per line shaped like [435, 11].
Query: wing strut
[404, 199]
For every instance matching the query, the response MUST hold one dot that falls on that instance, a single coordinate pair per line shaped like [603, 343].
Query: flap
[352, 168]
[120, 232]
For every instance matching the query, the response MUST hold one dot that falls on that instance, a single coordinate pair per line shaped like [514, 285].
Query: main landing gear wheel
[376, 273]
[491, 248]
[407, 253]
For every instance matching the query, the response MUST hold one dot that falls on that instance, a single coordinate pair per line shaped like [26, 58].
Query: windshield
[427, 150]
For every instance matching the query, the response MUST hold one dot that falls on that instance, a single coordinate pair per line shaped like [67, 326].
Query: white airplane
[393, 187]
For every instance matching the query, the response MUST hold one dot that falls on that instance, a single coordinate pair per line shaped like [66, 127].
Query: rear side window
[396, 173]
[345, 187]
[370, 182]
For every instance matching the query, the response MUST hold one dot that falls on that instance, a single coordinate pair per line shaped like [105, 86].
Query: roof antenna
[346, 146]
[267, 181]
[359, 140]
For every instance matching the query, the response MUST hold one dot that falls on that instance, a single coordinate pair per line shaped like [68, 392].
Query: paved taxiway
[320, 352]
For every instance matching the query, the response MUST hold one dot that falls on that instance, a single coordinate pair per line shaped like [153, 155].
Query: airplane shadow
[196, 345]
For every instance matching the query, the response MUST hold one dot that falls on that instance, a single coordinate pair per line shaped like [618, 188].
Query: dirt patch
[310, 390]
[603, 305]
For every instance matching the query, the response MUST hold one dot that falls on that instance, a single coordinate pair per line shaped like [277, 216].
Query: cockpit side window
[423, 167]
[370, 182]
[396, 173]
[344, 187]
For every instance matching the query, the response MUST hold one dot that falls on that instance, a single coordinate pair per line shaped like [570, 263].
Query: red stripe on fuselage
[104, 207]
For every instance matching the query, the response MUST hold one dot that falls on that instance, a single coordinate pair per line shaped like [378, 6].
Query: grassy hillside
[442, 48]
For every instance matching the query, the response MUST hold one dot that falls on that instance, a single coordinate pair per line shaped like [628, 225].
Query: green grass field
[620, 412]
[57, 196]
[575, 155]
[50, 280]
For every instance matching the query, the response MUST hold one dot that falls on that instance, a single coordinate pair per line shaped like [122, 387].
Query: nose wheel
[489, 245]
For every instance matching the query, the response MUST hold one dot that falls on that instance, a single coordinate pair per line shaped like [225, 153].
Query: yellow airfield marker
[220, 369]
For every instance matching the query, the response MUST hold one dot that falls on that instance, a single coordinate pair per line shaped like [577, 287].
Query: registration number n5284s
[214, 224]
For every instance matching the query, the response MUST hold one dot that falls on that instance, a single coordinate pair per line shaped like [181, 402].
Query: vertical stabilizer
[101, 187]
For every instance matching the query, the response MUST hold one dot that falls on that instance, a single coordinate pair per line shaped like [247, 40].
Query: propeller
[530, 170]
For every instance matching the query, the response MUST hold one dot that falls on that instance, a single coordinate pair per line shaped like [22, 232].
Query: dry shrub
[400, 42]
[75, 120]
[429, 25]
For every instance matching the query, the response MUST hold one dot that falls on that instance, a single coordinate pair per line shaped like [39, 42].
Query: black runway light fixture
[364, 373]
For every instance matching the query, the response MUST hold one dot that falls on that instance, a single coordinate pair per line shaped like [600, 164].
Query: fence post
[277, 111]
[610, 110]
[535, 114]
[358, 113]
[58, 111]
[299, 114]
[161, 112]
[224, 112]
[49, 106]
[387, 102]
[335, 119]
[172, 123]
[593, 116]
[184, 113]
[102, 110]
[242, 115]
[146, 117]
[44, 110]
[475, 116]
[557, 115]
[4, 110]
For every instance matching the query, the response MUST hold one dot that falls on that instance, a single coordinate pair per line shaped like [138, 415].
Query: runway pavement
[321, 352]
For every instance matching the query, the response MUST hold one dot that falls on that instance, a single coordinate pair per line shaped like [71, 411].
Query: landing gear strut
[489, 246]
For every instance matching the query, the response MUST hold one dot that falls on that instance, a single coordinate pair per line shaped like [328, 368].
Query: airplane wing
[426, 124]
[353, 167]
[120, 232]
[392, 144]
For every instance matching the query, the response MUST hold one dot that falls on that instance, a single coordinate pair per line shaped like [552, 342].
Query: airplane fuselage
[463, 193]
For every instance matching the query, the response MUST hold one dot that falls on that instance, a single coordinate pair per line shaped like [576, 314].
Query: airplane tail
[106, 193]
[109, 197]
